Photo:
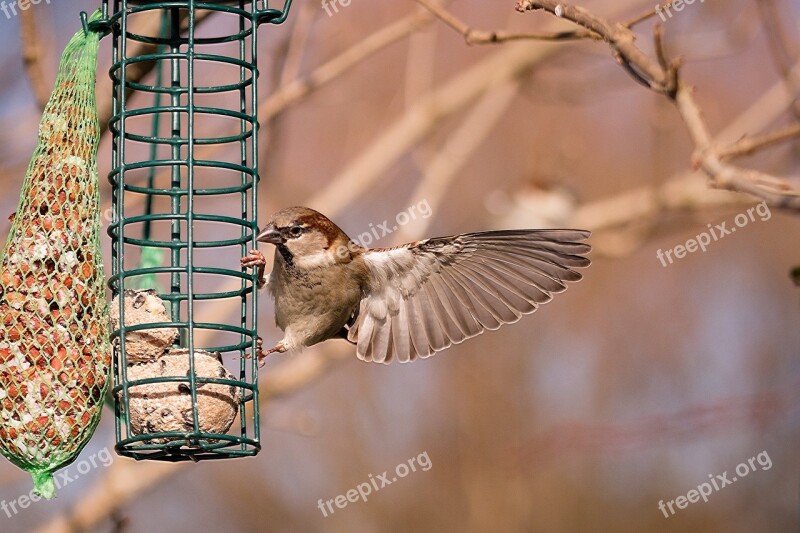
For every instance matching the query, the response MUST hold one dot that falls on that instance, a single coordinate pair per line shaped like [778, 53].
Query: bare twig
[473, 36]
[685, 192]
[516, 60]
[775, 190]
[749, 145]
[647, 15]
[662, 76]
[620, 38]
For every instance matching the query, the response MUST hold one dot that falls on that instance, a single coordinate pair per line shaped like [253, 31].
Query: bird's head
[306, 238]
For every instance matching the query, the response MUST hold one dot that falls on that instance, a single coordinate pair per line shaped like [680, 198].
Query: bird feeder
[184, 212]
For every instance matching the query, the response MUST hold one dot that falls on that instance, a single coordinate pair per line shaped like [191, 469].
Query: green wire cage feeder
[184, 212]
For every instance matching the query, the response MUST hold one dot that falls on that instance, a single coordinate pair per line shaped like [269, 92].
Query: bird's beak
[271, 235]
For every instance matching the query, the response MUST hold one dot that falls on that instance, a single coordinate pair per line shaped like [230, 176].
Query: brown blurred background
[629, 389]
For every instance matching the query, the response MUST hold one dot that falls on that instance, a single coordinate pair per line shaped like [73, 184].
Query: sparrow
[412, 300]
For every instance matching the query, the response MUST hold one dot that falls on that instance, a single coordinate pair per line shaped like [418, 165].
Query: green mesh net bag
[54, 349]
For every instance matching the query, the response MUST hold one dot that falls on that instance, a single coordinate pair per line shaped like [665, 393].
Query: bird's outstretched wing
[423, 297]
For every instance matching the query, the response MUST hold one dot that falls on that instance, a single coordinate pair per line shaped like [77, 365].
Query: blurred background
[631, 388]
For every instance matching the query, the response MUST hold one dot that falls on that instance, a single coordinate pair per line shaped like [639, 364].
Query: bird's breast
[315, 304]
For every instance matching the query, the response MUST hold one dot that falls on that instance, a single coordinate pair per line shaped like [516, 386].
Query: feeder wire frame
[171, 49]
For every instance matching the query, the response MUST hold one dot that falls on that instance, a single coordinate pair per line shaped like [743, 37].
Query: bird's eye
[296, 231]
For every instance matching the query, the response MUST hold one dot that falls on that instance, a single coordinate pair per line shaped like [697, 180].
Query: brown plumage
[412, 300]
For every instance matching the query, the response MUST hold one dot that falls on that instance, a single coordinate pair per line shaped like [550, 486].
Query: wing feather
[379, 346]
[481, 311]
[511, 296]
[423, 297]
[529, 275]
[361, 332]
[418, 326]
[460, 325]
[431, 332]
[401, 333]
[438, 310]
[488, 296]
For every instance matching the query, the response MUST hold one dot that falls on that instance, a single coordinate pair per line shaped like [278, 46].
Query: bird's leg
[256, 259]
[262, 354]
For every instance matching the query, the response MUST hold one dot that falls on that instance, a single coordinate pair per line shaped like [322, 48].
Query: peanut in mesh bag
[54, 349]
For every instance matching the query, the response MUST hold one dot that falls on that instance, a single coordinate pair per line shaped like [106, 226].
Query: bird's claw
[254, 259]
[262, 354]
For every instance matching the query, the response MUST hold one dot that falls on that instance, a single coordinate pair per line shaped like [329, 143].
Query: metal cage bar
[188, 179]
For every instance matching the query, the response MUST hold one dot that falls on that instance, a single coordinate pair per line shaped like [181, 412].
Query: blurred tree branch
[421, 118]
[32, 56]
[145, 24]
[297, 43]
[760, 408]
[781, 48]
[439, 174]
[291, 92]
[684, 192]
[124, 480]
[662, 75]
